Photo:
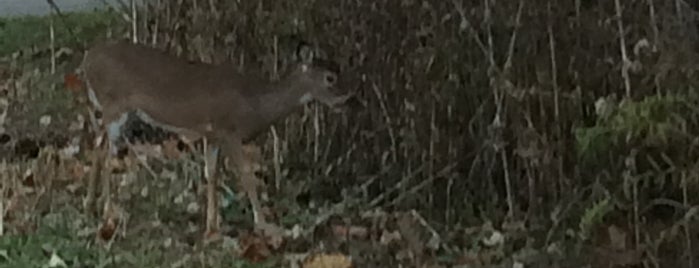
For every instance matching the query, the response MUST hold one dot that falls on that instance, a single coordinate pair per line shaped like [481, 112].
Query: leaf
[254, 248]
[327, 261]
[617, 237]
[170, 149]
[56, 261]
[73, 83]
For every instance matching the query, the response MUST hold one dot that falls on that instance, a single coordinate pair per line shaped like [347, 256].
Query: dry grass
[483, 134]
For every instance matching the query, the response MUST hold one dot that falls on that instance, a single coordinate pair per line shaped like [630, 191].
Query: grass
[17, 33]
[60, 234]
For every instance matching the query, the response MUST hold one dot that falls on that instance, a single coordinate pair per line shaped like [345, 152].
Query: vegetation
[486, 134]
[74, 30]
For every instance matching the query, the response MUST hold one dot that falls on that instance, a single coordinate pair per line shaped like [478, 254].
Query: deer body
[197, 99]
[190, 98]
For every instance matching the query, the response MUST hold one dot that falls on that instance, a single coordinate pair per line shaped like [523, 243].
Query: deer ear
[305, 53]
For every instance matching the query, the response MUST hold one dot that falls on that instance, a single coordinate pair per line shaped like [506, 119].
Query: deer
[197, 100]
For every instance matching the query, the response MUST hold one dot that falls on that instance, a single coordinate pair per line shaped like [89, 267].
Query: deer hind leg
[113, 129]
[92, 134]
[212, 212]
[247, 181]
[96, 143]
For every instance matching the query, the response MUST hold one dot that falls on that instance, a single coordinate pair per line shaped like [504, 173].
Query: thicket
[553, 114]
[474, 110]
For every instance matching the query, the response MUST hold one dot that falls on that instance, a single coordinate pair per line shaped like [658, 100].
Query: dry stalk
[316, 134]
[430, 149]
[134, 22]
[556, 94]
[276, 159]
[141, 161]
[513, 38]
[466, 25]
[395, 187]
[416, 215]
[554, 67]
[389, 122]
[442, 173]
[654, 25]
[686, 224]
[52, 45]
[626, 63]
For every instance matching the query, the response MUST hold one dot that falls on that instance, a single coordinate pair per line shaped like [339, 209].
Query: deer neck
[280, 100]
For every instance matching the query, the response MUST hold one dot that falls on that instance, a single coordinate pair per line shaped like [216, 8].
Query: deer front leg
[97, 158]
[113, 129]
[104, 150]
[210, 174]
[247, 180]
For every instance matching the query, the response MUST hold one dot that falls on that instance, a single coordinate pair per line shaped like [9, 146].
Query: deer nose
[331, 78]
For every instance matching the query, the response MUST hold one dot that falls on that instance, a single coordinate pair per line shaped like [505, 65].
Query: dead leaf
[617, 237]
[170, 149]
[327, 261]
[116, 165]
[469, 259]
[607, 257]
[254, 248]
[343, 232]
[253, 158]
[56, 261]
[273, 234]
[28, 179]
[73, 83]
[107, 229]
[495, 239]
[389, 237]
[45, 120]
[148, 150]
[77, 170]
[111, 219]
[411, 235]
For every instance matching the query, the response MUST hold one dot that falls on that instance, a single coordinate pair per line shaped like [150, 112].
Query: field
[501, 144]
[43, 180]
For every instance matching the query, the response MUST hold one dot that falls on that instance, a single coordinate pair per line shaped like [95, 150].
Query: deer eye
[330, 78]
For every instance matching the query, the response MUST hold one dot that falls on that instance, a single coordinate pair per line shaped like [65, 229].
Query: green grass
[21, 32]
[55, 246]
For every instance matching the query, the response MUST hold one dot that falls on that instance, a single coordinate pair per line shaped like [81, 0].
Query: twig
[513, 38]
[341, 207]
[622, 45]
[554, 67]
[52, 45]
[134, 23]
[276, 159]
[430, 229]
[336, 209]
[443, 172]
[466, 25]
[389, 122]
[654, 25]
[398, 185]
[687, 228]
[121, 3]
[141, 161]
[62, 17]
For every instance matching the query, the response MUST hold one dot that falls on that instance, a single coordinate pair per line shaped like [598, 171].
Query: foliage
[17, 33]
[36, 250]
[652, 122]
[443, 93]
[592, 217]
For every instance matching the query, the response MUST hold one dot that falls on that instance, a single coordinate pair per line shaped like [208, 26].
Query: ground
[158, 218]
